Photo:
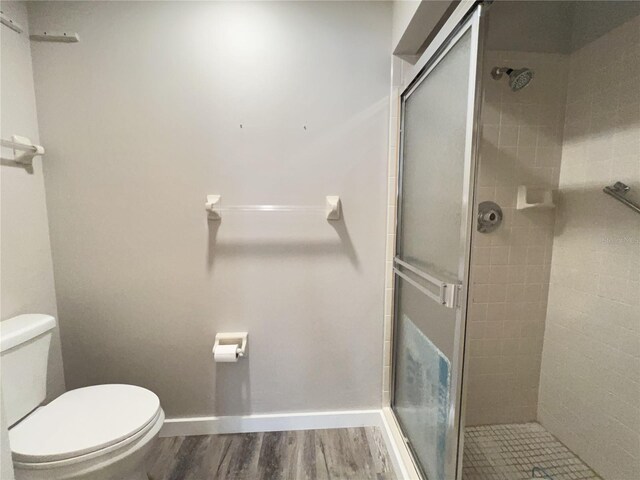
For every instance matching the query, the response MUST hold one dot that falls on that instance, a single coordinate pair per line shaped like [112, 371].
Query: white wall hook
[213, 207]
[334, 207]
[23, 149]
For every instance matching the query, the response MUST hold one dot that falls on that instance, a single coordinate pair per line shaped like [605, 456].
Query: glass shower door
[431, 266]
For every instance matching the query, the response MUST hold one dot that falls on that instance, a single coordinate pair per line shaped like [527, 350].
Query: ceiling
[554, 26]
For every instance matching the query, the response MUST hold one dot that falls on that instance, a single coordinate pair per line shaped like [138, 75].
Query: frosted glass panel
[423, 376]
[433, 165]
[436, 190]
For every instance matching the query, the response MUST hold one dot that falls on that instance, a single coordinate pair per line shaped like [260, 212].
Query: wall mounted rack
[23, 149]
[8, 22]
[332, 208]
[619, 191]
[60, 37]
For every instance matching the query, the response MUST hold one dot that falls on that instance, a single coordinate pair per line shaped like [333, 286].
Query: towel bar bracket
[23, 150]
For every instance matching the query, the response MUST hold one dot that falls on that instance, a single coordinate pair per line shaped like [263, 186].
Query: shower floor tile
[511, 451]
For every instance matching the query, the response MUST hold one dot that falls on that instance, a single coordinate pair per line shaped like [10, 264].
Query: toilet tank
[24, 352]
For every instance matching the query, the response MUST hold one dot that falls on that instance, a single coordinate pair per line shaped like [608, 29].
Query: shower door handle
[447, 292]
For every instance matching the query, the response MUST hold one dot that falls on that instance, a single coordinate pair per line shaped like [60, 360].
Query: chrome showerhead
[518, 78]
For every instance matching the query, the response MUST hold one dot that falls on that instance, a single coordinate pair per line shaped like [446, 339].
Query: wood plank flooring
[344, 453]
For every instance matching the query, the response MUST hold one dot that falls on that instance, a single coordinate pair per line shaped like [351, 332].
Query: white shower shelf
[23, 145]
[534, 197]
[332, 208]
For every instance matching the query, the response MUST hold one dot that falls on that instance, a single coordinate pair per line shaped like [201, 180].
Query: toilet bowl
[101, 432]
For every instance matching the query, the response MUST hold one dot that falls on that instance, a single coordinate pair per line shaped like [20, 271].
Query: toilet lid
[82, 421]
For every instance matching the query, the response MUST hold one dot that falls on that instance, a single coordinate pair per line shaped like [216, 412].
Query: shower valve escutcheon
[489, 217]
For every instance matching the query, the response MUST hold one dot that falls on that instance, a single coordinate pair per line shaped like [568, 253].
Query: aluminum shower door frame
[472, 20]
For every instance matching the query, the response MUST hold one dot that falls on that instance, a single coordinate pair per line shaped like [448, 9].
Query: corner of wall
[27, 268]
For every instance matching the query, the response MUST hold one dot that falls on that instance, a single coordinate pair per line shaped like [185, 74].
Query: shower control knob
[489, 217]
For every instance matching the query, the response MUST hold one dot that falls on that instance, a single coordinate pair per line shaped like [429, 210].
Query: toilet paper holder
[235, 338]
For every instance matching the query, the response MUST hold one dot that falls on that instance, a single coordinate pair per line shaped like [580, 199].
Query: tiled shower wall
[590, 381]
[521, 145]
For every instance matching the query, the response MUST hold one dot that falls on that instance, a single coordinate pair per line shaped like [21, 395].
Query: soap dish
[532, 197]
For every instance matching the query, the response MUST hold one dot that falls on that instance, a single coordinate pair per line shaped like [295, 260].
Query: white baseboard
[271, 423]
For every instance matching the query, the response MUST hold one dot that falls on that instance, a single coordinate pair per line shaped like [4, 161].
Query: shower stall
[516, 339]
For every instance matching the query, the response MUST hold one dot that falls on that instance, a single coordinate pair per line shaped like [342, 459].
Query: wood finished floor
[344, 453]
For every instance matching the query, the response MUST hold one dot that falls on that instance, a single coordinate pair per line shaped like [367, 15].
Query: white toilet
[101, 432]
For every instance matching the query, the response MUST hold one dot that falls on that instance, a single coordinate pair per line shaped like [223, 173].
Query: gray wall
[26, 268]
[142, 120]
[26, 272]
